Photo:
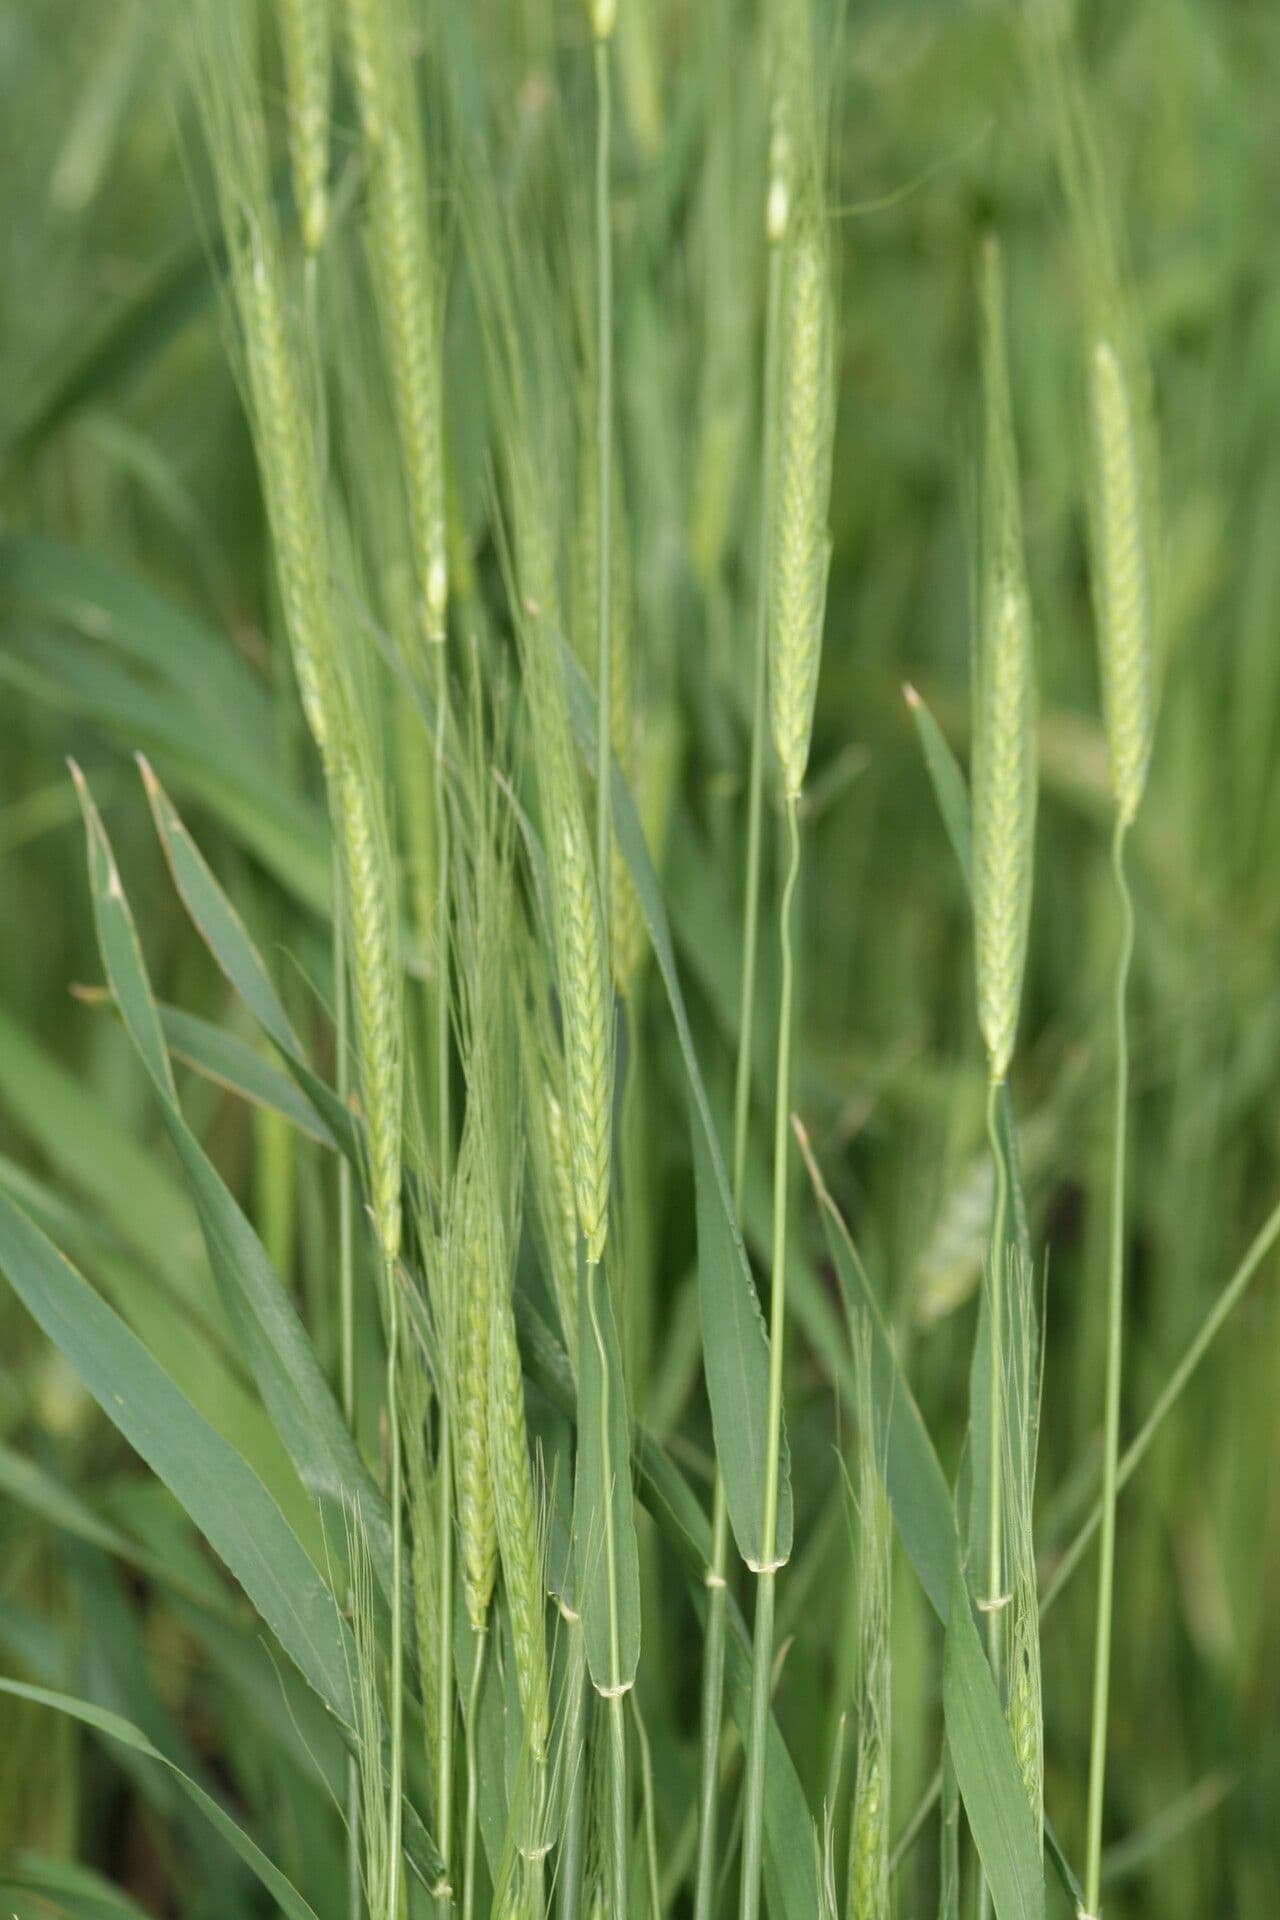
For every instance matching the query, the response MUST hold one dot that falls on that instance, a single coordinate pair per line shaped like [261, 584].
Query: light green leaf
[604, 1534]
[949, 787]
[225, 1499]
[918, 1491]
[227, 938]
[272, 1337]
[987, 1769]
[113, 1726]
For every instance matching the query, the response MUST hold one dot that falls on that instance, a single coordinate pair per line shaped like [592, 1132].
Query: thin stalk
[646, 1795]
[469, 1737]
[396, 1784]
[1263, 1242]
[1111, 1440]
[444, 1609]
[762, 1635]
[604, 458]
[346, 1322]
[1134, 1454]
[994, 1604]
[615, 1697]
[572, 1856]
[717, 1569]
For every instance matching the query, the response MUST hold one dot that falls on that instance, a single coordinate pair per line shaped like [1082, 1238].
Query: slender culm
[869, 1816]
[1121, 575]
[308, 71]
[802, 488]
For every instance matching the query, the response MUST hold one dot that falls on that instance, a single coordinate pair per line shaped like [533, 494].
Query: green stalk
[347, 1323]
[762, 1635]
[994, 1604]
[650, 1826]
[469, 1736]
[570, 1864]
[717, 1569]
[1134, 1454]
[1111, 1445]
[396, 1785]
[444, 1728]
[604, 454]
[604, 848]
[616, 1695]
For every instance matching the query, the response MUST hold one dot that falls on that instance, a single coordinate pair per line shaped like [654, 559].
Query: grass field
[702, 1342]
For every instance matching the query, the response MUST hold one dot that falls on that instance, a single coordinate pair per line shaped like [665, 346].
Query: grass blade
[987, 1769]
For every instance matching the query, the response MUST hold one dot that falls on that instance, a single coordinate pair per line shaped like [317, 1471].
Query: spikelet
[585, 998]
[308, 73]
[802, 487]
[1121, 574]
[376, 982]
[552, 1153]
[288, 458]
[628, 926]
[869, 1819]
[471, 1269]
[1004, 771]
[407, 279]
[519, 1529]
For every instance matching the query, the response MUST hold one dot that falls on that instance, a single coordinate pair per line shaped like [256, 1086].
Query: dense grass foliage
[694, 1342]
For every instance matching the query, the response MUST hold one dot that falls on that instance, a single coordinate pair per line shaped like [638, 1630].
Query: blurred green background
[129, 503]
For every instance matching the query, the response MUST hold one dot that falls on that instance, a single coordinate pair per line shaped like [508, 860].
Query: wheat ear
[306, 44]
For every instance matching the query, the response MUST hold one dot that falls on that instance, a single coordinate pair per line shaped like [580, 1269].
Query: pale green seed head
[801, 541]
[1004, 760]
[1121, 575]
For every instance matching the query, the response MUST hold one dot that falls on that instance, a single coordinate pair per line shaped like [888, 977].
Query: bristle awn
[800, 552]
[1004, 795]
[308, 73]
[712, 1705]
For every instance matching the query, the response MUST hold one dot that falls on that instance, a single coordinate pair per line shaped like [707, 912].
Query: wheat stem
[469, 1738]
[604, 453]
[346, 1319]
[617, 1723]
[762, 1636]
[1111, 1442]
[574, 1752]
[395, 1788]
[717, 1568]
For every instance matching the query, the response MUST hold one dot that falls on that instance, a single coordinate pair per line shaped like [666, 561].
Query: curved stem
[346, 1322]
[604, 450]
[1111, 1439]
[762, 1635]
[617, 1723]
[995, 1408]
[717, 1569]
[469, 1737]
[444, 1544]
[396, 1784]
